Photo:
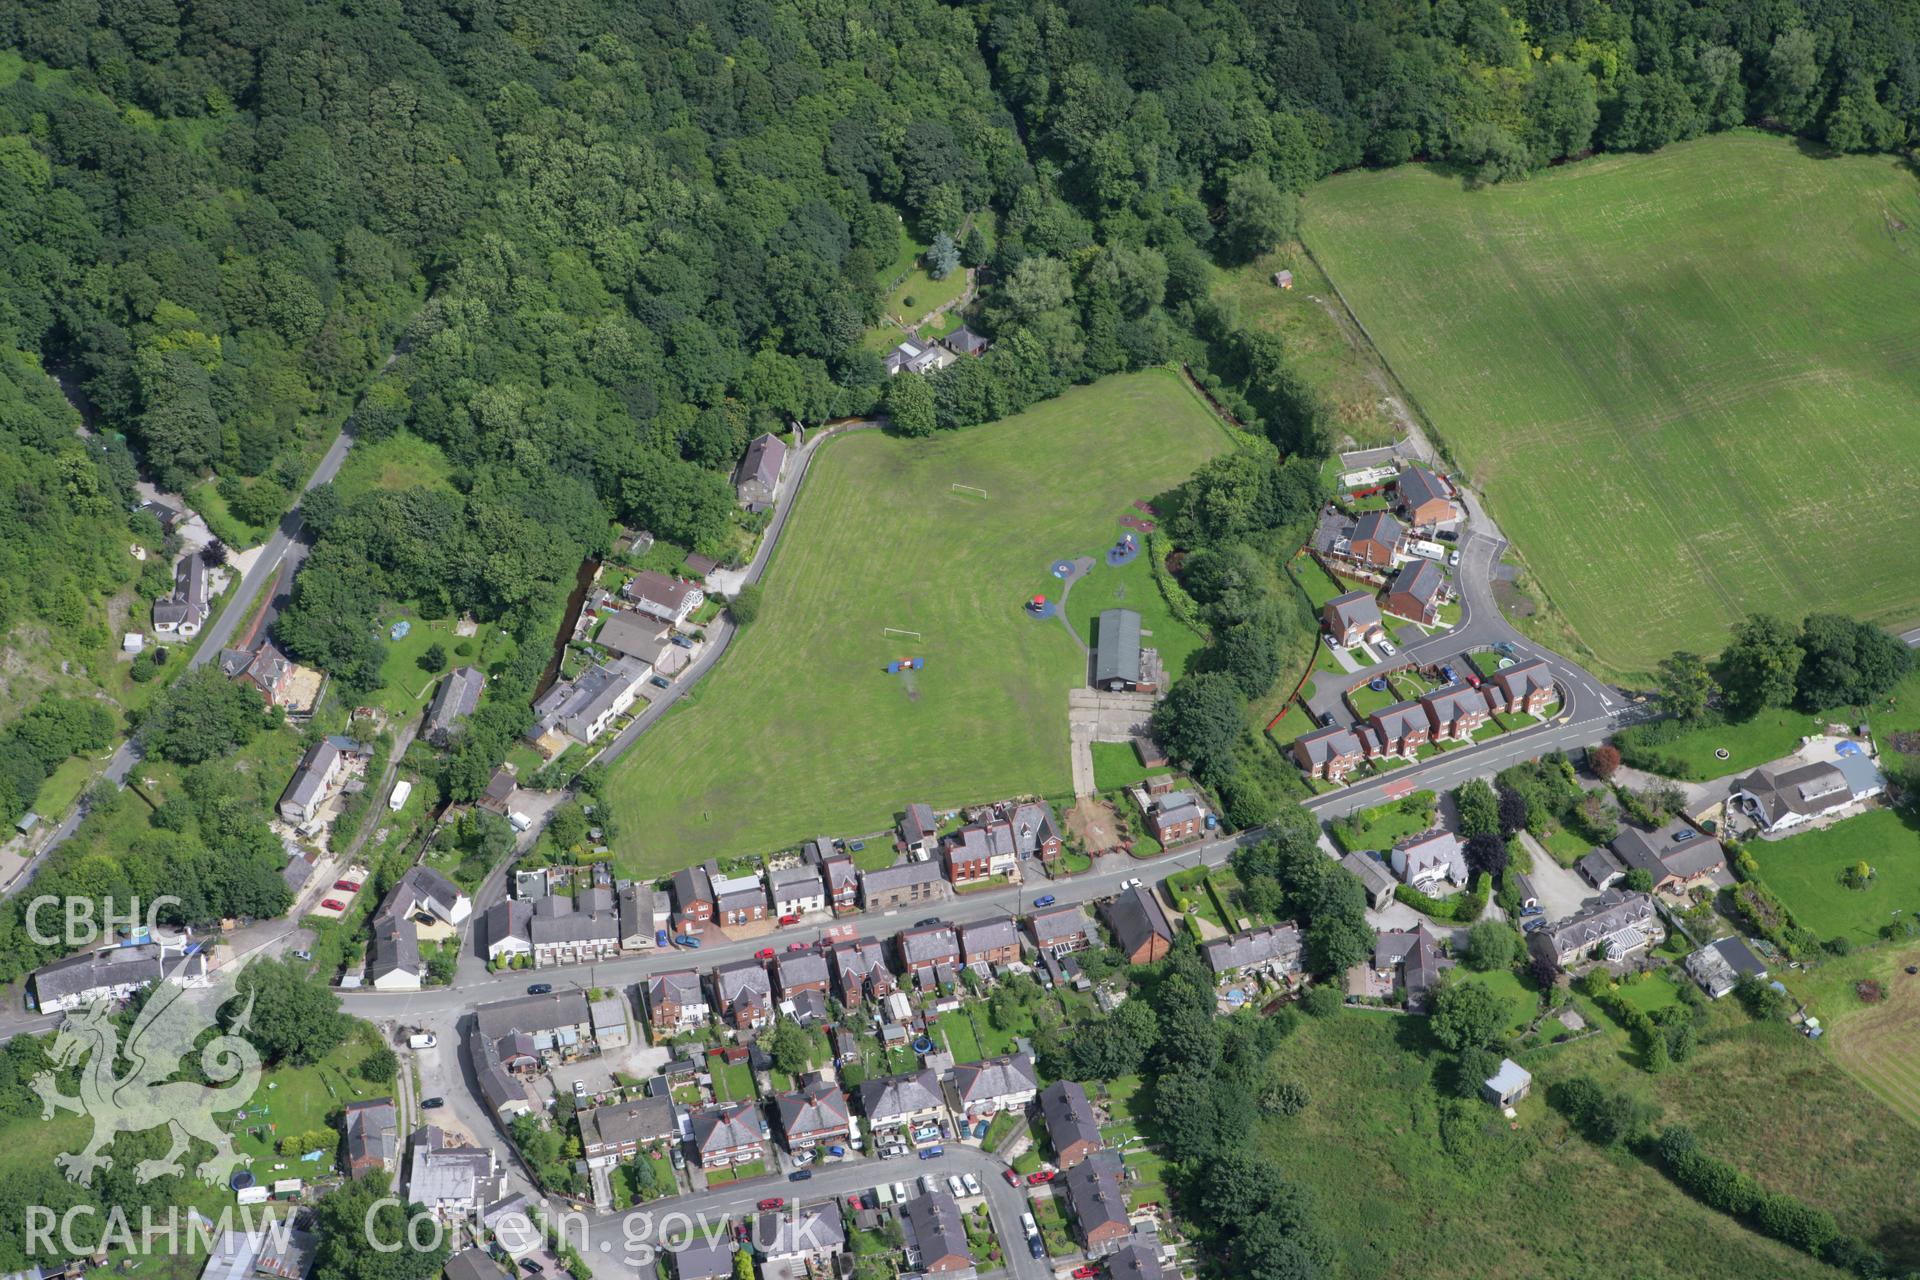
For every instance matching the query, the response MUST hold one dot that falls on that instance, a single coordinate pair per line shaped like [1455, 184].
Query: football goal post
[972, 491]
[890, 632]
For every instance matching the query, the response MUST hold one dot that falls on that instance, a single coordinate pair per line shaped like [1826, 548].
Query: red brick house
[1418, 591]
[1330, 753]
[1525, 687]
[1176, 817]
[1377, 540]
[1403, 728]
[1456, 711]
[1423, 497]
[1350, 618]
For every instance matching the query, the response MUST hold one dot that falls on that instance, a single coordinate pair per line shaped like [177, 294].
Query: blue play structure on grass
[905, 664]
[400, 629]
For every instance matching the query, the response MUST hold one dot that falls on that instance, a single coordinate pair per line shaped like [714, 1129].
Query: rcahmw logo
[85, 1229]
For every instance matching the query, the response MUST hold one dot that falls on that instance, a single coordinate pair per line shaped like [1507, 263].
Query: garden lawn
[1713, 338]
[1384, 824]
[1805, 871]
[296, 1100]
[879, 539]
[1115, 766]
[1132, 587]
[1773, 733]
[956, 1028]
[733, 1081]
[1521, 997]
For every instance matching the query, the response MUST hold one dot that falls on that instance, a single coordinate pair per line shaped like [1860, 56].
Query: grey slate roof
[1675, 849]
[633, 635]
[1136, 916]
[934, 942]
[1609, 914]
[982, 936]
[917, 823]
[1277, 945]
[995, 1078]
[639, 1120]
[1422, 579]
[1095, 1191]
[453, 701]
[701, 1259]
[1378, 526]
[1454, 702]
[800, 968]
[1806, 790]
[1418, 485]
[900, 876]
[1117, 656]
[899, 1095]
[1522, 678]
[935, 1229]
[1374, 875]
[1355, 607]
[1059, 922]
[802, 881]
[1330, 743]
[725, 1128]
[1068, 1115]
[1136, 1260]
[310, 778]
[1400, 719]
[813, 1107]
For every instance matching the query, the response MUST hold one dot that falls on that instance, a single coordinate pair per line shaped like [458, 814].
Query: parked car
[683, 642]
[789, 919]
[764, 953]
[800, 1175]
[973, 1184]
[333, 904]
[932, 1153]
[579, 1090]
[930, 920]
[1326, 719]
[1044, 900]
[980, 1128]
[1013, 1179]
[422, 1040]
[1473, 677]
[660, 938]
[1036, 1246]
[955, 1186]
[773, 1202]
[350, 886]
[1505, 646]
[1085, 1272]
[432, 1104]
[1134, 883]
[1453, 560]
[796, 946]
[301, 953]
[1447, 673]
[1385, 647]
[659, 682]
[1039, 1176]
[927, 1185]
[900, 1191]
[688, 940]
[540, 989]
[530, 1266]
[836, 1151]
[801, 1159]
[740, 1231]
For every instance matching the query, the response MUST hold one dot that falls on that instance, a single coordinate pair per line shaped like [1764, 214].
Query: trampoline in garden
[240, 1180]
[923, 1045]
[1236, 997]
[1378, 684]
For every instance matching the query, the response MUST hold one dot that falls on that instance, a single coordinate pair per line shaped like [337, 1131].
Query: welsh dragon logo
[145, 1096]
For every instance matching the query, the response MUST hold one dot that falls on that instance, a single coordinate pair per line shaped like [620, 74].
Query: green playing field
[799, 731]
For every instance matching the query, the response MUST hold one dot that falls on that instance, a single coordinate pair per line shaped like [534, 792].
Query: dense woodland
[606, 244]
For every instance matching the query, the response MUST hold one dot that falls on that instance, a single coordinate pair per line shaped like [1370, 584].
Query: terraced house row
[1452, 714]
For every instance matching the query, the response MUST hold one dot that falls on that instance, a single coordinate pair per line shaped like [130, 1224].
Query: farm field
[1410, 1183]
[1805, 871]
[1684, 382]
[800, 731]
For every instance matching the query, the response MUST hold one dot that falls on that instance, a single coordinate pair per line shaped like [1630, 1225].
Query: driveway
[1561, 891]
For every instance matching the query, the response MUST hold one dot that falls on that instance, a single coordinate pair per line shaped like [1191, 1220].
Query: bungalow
[1779, 799]
[905, 884]
[1140, 927]
[1099, 1203]
[610, 1135]
[728, 1135]
[639, 908]
[1615, 925]
[1073, 1130]
[371, 1130]
[935, 1235]
[1456, 712]
[671, 600]
[743, 995]
[989, 942]
[860, 972]
[1373, 876]
[1175, 818]
[965, 342]
[902, 1101]
[799, 971]
[1426, 861]
[1378, 540]
[1676, 857]
[674, 1002]
[757, 482]
[814, 1113]
[738, 899]
[1401, 729]
[914, 356]
[1059, 931]
[1273, 951]
[994, 1085]
[1417, 592]
[499, 792]
[312, 780]
[918, 831]
[797, 890]
[1331, 753]
[1423, 498]
[1719, 966]
[452, 703]
[181, 613]
[925, 947]
[1525, 688]
[1351, 618]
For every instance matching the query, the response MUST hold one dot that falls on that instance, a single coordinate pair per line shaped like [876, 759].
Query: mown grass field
[799, 731]
[1805, 871]
[1686, 383]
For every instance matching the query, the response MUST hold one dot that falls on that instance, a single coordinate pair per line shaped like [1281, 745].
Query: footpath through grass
[1684, 381]
[800, 731]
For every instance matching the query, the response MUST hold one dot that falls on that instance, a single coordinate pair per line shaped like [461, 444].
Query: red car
[1035, 1179]
[764, 953]
[1082, 1273]
[333, 904]
[796, 946]
[789, 919]
[1013, 1179]
[773, 1202]
[1473, 679]
[349, 885]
